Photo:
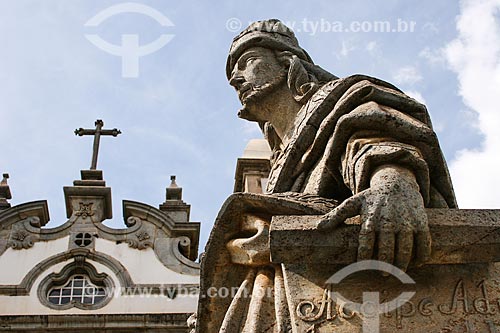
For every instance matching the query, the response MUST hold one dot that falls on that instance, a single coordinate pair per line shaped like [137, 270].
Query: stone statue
[341, 148]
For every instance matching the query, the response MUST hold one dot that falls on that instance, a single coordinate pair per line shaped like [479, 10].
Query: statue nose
[237, 81]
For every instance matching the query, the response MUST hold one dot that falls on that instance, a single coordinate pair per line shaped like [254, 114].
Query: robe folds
[346, 130]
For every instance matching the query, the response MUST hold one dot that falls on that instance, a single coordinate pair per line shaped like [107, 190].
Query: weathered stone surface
[358, 141]
[449, 298]
[458, 291]
[220, 277]
[130, 323]
[341, 148]
[459, 237]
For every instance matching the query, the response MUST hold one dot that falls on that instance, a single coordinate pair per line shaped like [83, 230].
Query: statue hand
[392, 215]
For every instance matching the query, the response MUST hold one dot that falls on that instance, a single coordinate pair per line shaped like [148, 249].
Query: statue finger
[386, 242]
[366, 240]
[424, 245]
[404, 247]
[349, 208]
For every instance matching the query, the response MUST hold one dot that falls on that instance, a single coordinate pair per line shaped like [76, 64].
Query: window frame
[76, 291]
[61, 279]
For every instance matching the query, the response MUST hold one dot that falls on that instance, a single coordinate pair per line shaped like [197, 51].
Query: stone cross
[97, 132]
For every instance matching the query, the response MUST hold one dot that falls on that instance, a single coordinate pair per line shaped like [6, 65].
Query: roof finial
[173, 184]
[5, 193]
[173, 206]
[174, 192]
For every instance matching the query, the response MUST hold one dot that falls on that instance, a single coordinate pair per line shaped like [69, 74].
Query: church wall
[144, 266]
[16, 264]
[84, 275]
[119, 304]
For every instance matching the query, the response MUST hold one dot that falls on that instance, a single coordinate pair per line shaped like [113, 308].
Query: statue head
[266, 57]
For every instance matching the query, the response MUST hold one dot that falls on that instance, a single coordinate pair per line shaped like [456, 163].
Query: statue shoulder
[357, 78]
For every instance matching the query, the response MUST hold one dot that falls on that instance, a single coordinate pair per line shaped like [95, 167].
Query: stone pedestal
[89, 196]
[459, 291]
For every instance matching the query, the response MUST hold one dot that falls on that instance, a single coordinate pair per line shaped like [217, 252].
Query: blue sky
[179, 115]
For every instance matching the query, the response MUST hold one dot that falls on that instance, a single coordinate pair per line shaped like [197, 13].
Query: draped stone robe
[347, 129]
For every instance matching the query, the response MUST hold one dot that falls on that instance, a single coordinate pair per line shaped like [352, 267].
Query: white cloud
[374, 49]
[430, 27]
[347, 47]
[371, 46]
[475, 57]
[407, 75]
[433, 56]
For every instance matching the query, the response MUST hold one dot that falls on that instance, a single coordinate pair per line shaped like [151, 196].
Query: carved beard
[257, 94]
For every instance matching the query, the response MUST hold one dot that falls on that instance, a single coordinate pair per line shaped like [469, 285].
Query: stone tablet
[459, 291]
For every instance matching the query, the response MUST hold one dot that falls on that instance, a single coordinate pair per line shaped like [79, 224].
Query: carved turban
[271, 34]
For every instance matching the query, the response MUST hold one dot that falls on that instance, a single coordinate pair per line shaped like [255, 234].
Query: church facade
[83, 276]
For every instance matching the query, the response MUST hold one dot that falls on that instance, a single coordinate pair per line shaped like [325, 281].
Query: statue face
[255, 75]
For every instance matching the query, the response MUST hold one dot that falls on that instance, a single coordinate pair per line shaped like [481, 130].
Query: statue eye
[250, 59]
[244, 61]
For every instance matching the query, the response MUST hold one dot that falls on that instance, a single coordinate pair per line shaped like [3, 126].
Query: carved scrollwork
[141, 241]
[184, 242]
[139, 238]
[85, 210]
[191, 322]
[180, 244]
[20, 239]
[168, 251]
[132, 221]
[34, 221]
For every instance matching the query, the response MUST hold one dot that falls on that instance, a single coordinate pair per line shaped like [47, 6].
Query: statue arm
[365, 152]
[389, 180]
